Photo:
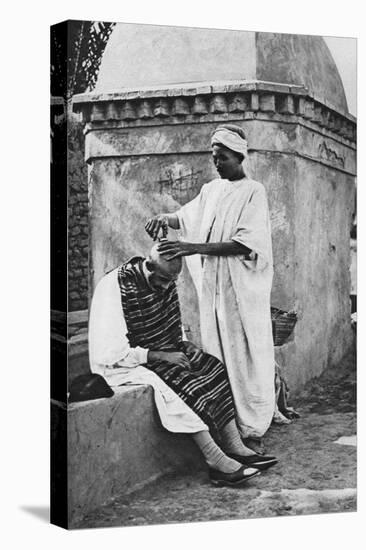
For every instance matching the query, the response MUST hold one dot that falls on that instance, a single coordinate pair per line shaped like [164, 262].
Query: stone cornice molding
[209, 102]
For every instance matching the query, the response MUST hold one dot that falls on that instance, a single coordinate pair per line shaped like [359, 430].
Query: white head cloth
[231, 140]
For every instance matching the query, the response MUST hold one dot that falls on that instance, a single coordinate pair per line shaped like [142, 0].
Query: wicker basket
[283, 323]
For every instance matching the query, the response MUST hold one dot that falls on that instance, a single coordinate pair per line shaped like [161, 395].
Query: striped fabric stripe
[153, 321]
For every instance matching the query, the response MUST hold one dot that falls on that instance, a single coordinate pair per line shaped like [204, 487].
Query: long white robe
[111, 356]
[234, 293]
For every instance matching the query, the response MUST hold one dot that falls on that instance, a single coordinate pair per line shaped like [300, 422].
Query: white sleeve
[254, 231]
[108, 343]
[190, 213]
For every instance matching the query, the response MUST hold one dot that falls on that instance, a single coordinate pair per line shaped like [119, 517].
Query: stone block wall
[70, 249]
[78, 230]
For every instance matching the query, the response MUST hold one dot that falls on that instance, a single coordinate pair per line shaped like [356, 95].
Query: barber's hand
[155, 224]
[172, 357]
[191, 349]
[176, 249]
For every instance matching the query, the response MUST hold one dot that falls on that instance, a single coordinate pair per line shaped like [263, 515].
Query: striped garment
[153, 321]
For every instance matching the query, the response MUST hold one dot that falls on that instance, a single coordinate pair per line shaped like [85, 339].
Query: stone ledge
[200, 101]
[118, 445]
[70, 328]
[69, 344]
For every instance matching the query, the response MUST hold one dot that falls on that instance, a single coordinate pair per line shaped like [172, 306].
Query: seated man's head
[162, 272]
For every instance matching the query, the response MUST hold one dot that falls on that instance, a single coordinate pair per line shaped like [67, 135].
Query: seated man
[135, 336]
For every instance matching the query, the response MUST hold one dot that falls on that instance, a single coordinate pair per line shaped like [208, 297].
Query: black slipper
[255, 461]
[232, 480]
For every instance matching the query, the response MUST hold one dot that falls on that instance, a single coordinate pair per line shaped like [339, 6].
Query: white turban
[231, 140]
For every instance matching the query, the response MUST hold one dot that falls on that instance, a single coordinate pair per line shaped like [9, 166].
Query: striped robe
[153, 321]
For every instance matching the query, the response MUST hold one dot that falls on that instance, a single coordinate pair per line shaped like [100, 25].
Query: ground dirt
[314, 474]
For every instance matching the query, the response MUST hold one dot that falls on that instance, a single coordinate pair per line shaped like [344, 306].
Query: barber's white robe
[234, 293]
[111, 356]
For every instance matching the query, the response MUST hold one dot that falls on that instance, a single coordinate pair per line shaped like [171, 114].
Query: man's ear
[150, 264]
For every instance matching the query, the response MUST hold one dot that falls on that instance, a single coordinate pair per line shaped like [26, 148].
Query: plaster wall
[299, 59]
[311, 208]
[124, 194]
[308, 176]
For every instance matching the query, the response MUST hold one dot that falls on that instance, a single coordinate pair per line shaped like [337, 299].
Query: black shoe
[232, 480]
[255, 461]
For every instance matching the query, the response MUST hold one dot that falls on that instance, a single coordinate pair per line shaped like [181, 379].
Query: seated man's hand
[172, 357]
[191, 349]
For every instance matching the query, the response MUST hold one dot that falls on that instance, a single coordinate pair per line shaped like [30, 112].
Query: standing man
[226, 239]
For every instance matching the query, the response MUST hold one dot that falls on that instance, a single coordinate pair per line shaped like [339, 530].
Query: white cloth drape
[111, 356]
[234, 293]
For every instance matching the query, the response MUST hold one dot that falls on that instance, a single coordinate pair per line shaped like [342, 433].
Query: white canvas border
[25, 254]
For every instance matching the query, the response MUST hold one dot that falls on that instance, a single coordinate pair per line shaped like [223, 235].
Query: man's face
[159, 279]
[227, 163]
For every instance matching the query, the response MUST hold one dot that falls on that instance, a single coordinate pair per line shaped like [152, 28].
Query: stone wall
[149, 152]
[70, 249]
[117, 445]
[78, 231]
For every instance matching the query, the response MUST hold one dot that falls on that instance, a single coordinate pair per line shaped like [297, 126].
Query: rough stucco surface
[310, 196]
[125, 193]
[324, 202]
[309, 204]
[300, 59]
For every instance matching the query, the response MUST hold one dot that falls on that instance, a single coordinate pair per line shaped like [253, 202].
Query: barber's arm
[176, 249]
